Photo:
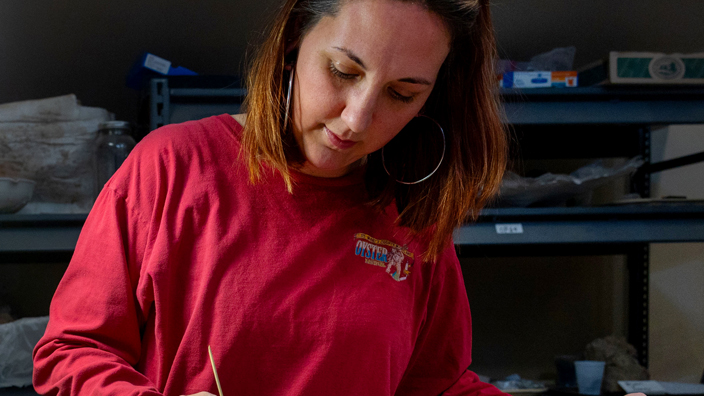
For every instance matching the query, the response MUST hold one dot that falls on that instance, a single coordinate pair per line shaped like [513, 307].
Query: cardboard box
[538, 79]
[564, 79]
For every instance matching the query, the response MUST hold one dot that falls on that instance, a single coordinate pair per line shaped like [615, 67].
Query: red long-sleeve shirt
[310, 293]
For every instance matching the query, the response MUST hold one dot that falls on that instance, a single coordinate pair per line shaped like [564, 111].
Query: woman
[308, 242]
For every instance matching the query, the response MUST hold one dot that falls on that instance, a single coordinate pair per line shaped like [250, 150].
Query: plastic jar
[113, 145]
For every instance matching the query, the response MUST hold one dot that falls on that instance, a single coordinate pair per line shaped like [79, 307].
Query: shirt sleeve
[92, 341]
[443, 348]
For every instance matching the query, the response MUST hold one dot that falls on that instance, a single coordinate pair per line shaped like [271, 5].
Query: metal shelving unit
[612, 225]
[39, 233]
[624, 224]
[614, 105]
[178, 99]
[583, 117]
[595, 122]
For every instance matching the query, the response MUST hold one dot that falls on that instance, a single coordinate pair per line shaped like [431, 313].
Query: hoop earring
[288, 97]
[442, 157]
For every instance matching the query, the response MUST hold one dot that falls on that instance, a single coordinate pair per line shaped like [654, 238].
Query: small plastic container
[112, 147]
[589, 376]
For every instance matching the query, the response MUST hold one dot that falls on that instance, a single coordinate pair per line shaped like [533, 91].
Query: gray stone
[621, 361]
[51, 141]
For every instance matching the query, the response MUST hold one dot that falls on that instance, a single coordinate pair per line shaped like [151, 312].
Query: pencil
[212, 362]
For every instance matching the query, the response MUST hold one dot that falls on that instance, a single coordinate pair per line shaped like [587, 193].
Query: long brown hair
[464, 102]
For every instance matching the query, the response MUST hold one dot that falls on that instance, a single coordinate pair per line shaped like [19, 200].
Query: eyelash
[337, 73]
[346, 76]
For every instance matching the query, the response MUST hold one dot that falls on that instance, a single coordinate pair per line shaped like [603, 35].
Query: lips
[337, 142]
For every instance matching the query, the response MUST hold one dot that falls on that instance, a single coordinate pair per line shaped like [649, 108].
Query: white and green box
[656, 68]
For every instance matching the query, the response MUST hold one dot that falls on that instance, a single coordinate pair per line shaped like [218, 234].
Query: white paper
[17, 340]
[679, 388]
[647, 387]
[661, 388]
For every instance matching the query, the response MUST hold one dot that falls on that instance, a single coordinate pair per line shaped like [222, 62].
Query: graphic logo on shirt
[396, 259]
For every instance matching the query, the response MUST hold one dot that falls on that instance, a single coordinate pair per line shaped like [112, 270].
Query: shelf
[14, 391]
[622, 105]
[623, 224]
[672, 222]
[40, 233]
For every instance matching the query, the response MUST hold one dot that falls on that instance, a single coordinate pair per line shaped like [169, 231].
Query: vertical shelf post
[639, 263]
[640, 184]
[159, 103]
[638, 290]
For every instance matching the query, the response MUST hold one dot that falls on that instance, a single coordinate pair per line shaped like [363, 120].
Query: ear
[290, 54]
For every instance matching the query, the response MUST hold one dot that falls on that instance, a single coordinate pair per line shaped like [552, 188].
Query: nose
[359, 109]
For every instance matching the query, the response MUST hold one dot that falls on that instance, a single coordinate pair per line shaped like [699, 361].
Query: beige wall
[528, 310]
[677, 270]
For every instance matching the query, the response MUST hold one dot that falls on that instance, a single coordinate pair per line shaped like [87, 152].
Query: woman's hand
[210, 394]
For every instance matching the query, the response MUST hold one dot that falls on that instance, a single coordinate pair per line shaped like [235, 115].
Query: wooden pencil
[212, 362]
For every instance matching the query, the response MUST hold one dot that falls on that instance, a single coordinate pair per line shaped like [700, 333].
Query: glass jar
[113, 145]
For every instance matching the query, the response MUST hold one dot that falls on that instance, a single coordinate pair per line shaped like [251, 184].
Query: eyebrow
[358, 61]
[352, 56]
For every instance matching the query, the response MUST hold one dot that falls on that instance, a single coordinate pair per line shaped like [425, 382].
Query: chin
[335, 168]
[330, 168]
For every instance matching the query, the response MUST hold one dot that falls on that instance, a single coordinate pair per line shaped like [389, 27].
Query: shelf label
[513, 228]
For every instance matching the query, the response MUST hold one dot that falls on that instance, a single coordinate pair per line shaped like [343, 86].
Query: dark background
[85, 47]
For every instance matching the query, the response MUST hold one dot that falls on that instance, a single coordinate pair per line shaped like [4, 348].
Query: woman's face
[360, 77]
